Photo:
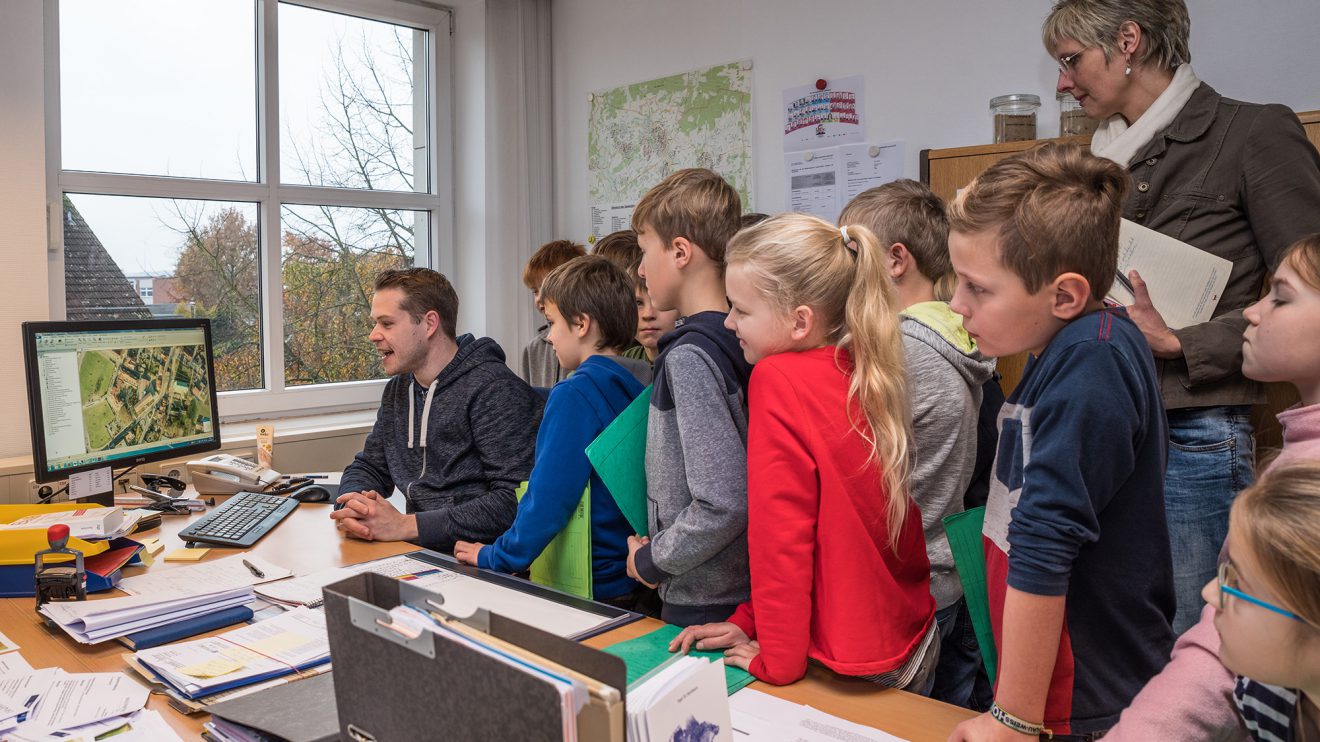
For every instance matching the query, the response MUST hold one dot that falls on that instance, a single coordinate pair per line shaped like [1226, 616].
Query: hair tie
[847, 241]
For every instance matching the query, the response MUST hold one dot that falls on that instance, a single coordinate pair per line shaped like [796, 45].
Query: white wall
[23, 272]
[930, 67]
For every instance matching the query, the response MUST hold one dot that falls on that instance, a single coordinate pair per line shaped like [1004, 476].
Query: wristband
[1019, 725]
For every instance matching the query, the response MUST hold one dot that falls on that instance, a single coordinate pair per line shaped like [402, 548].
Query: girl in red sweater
[838, 560]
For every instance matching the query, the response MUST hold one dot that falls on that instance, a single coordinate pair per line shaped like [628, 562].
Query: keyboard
[241, 520]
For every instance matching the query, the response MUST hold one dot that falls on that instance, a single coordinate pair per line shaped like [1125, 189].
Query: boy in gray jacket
[945, 376]
[696, 453]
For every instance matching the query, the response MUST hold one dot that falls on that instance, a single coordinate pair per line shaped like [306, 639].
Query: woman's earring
[1127, 66]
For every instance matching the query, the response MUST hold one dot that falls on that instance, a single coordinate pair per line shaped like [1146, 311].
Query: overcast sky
[168, 87]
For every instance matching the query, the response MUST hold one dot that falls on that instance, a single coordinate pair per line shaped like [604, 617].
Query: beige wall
[23, 272]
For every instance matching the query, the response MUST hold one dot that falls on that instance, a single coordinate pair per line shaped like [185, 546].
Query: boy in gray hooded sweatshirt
[945, 374]
[696, 453]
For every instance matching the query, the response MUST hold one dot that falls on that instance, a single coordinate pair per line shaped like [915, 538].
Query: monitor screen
[118, 393]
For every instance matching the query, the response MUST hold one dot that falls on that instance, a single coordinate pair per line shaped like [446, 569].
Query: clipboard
[390, 685]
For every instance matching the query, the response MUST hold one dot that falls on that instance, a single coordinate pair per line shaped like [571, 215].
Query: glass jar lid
[1015, 103]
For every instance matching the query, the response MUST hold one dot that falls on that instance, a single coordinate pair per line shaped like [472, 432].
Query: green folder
[619, 457]
[647, 652]
[565, 564]
[964, 530]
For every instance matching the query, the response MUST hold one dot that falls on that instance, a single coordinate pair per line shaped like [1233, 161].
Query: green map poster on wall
[637, 134]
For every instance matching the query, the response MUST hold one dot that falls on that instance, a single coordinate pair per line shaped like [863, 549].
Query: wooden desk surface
[307, 541]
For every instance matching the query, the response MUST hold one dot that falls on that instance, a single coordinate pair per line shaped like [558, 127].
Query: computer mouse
[311, 493]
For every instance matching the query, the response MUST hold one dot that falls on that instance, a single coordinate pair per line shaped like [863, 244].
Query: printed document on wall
[864, 166]
[823, 118]
[812, 182]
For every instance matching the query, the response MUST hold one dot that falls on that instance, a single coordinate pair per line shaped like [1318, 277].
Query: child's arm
[555, 487]
[783, 505]
[1191, 698]
[714, 465]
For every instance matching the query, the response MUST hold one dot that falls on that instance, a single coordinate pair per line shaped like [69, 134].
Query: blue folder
[156, 636]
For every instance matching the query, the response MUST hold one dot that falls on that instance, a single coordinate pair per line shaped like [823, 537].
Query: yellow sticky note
[186, 555]
[146, 558]
[213, 668]
[278, 643]
[155, 547]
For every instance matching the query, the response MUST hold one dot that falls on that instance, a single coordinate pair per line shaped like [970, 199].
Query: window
[256, 162]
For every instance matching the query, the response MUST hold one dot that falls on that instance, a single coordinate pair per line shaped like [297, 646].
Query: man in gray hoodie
[945, 377]
[456, 429]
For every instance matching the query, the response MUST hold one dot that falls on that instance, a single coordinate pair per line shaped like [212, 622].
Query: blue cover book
[193, 626]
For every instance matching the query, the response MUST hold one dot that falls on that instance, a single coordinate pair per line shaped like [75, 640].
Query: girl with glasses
[1267, 604]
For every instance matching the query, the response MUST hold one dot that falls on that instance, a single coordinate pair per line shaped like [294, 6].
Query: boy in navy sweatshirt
[696, 453]
[1078, 565]
[589, 305]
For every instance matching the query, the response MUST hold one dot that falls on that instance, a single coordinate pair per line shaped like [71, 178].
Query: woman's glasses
[1068, 63]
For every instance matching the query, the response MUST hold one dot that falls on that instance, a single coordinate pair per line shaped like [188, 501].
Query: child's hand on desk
[741, 655]
[984, 728]
[634, 544]
[466, 552]
[368, 516]
[709, 636]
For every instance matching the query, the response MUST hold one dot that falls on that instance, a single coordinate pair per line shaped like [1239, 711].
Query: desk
[306, 541]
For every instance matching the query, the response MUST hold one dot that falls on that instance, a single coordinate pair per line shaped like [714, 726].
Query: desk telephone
[222, 474]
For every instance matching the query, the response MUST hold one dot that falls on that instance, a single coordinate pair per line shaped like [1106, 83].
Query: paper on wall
[812, 182]
[823, 118]
[865, 166]
[821, 182]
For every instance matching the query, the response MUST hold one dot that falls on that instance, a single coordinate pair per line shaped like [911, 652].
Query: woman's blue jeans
[1211, 459]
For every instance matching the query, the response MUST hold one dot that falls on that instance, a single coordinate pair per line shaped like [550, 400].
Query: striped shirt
[1267, 710]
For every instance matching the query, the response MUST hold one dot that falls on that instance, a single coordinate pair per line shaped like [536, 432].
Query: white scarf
[1120, 142]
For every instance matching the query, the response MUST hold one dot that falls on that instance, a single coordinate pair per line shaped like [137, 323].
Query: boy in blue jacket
[589, 305]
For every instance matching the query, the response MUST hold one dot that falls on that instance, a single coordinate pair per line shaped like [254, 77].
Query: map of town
[138, 396]
[638, 134]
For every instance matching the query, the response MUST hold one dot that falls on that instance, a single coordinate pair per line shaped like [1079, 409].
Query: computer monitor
[118, 393]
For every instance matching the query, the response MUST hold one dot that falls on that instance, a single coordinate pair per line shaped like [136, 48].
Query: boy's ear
[804, 320]
[683, 251]
[899, 261]
[581, 325]
[1072, 293]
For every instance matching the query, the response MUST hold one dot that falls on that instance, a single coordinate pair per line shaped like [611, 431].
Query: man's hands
[466, 552]
[370, 517]
[634, 544]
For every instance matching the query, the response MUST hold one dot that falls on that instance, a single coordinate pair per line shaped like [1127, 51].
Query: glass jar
[1015, 117]
[1073, 121]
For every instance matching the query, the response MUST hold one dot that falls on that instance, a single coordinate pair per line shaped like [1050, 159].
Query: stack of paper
[88, 524]
[682, 699]
[233, 571]
[761, 716]
[285, 644]
[94, 621]
[52, 704]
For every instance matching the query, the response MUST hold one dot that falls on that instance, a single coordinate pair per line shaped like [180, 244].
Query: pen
[1124, 282]
[253, 569]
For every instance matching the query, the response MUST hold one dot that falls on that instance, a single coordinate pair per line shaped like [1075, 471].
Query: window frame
[270, 195]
